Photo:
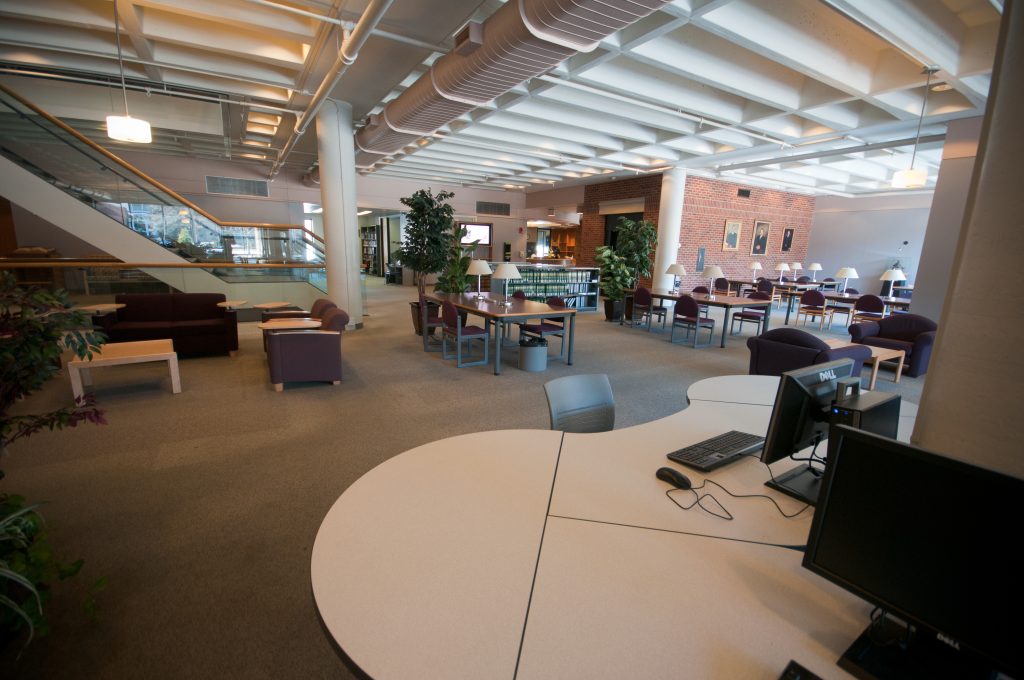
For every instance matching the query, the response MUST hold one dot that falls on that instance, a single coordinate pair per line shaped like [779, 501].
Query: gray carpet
[201, 509]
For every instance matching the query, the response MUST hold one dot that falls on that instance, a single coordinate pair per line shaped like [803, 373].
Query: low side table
[119, 353]
[288, 324]
[878, 355]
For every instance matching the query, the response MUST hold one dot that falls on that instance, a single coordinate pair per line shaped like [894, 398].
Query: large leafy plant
[635, 243]
[454, 278]
[36, 327]
[615, 275]
[428, 231]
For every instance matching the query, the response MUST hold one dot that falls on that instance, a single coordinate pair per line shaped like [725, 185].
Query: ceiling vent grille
[488, 208]
[233, 186]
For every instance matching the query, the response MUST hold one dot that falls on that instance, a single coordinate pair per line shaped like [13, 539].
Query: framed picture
[732, 235]
[787, 240]
[700, 260]
[759, 244]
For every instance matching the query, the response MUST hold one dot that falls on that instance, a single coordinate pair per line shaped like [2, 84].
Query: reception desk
[538, 554]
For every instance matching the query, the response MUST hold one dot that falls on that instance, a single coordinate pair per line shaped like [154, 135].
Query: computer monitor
[477, 232]
[932, 541]
[800, 418]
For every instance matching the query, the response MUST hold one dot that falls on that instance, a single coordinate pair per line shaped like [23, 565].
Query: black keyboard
[717, 451]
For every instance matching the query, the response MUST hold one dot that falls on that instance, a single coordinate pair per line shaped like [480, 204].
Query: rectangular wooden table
[726, 302]
[120, 353]
[489, 308]
[878, 355]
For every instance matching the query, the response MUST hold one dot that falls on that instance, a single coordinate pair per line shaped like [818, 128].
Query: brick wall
[707, 205]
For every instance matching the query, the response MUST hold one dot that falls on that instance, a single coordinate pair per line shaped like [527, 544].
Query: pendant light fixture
[125, 128]
[911, 178]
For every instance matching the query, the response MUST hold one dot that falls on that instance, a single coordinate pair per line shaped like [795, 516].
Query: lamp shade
[814, 267]
[506, 270]
[782, 267]
[713, 272]
[755, 265]
[478, 268]
[128, 129]
[796, 266]
[676, 269]
[909, 179]
[893, 275]
[847, 273]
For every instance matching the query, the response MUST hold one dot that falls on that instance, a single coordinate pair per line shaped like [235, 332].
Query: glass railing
[58, 154]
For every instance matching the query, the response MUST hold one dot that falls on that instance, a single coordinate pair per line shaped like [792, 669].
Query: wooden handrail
[128, 166]
[84, 264]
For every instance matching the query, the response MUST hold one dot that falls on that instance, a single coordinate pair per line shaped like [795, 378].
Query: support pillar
[670, 222]
[338, 198]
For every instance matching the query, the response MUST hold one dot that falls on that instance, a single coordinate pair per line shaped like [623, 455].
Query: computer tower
[875, 412]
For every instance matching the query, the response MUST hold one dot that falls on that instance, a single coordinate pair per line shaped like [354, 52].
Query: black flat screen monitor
[934, 541]
[800, 418]
[477, 232]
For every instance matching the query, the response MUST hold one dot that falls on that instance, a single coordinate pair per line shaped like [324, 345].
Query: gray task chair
[581, 403]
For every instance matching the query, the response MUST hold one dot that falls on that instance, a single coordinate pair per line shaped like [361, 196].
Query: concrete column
[670, 221]
[338, 198]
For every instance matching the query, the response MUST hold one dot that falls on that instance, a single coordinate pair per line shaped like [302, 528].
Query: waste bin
[533, 354]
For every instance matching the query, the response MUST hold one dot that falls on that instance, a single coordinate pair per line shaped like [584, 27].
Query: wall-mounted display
[759, 244]
[787, 240]
[732, 235]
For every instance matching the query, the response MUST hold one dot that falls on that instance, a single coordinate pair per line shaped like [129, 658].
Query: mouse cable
[699, 500]
[756, 495]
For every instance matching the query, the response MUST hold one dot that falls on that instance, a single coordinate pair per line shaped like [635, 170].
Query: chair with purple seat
[754, 315]
[307, 355]
[430, 318]
[813, 304]
[316, 311]
[868, 308]
[454, 330]
[549, 326]
[702, 290]
[643, 306]
[913, 333]
[766, 286]
[687, 315]
[721, 286]
[804, 279]
[784, 349]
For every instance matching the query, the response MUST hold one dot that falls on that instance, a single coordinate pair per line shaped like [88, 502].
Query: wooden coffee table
[119, 353]
[878, 355]
[288, 324]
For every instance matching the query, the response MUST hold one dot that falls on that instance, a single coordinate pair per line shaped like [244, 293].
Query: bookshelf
[576, 285]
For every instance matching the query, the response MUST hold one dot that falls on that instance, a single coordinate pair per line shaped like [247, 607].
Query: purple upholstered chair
[784, 349]
[687, 315]
[519, 295]
[804, 279]
[868, 308]
[307, 355]
[549, 326]
[702, 290]
[912, 333]
[316, 311]
[812, 304]
[454, 330]
[643, 305]
[430, 318]
[721, 286]
[754, 315]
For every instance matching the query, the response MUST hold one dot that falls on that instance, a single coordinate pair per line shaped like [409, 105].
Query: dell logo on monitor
[949, 641]
[827, 375]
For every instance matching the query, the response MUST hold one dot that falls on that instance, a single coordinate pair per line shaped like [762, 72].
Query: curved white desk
[533, 554]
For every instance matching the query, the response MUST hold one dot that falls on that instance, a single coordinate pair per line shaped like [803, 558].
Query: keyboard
[717, 451]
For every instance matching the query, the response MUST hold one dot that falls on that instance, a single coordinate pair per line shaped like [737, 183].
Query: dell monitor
[931, 540]
[800, 419]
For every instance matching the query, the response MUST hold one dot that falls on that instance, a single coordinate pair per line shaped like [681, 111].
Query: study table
[489, 306]
[538, 554]
[726, 302]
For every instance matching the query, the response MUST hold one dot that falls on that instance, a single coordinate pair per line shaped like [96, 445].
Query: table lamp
[796, 267]
[814, 268]
[756, 266]
[506, 271]
[894, 275]
[846, 273]
[478, 268]
[713, 272]
[781, 268]
[676, 270]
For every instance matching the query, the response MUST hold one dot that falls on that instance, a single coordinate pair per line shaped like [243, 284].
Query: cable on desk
[725, 512]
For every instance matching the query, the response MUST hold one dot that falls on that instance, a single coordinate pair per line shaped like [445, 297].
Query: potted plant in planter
[615, 278]
[635, 243]
[36, 325]
[454, 278]
[428, 228]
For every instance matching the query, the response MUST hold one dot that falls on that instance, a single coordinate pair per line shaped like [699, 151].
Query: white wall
[868, 234]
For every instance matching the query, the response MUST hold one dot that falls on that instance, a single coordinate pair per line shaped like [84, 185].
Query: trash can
[533, 354]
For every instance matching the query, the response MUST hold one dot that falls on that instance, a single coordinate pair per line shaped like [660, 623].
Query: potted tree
[635, 243]
[615, 278]
[425, 247]
[36, 325]
[454, 278]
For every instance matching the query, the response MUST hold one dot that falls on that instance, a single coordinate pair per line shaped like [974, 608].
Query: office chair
[581, 403]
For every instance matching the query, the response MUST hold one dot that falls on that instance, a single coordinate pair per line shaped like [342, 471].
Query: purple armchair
[783, 349]
[307, 355]
[912, 333]
[320, 306]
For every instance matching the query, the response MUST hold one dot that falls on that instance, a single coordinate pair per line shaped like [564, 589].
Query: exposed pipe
[838, 151]
[346, 57]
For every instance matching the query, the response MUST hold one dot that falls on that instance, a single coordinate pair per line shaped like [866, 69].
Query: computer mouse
[674, 477]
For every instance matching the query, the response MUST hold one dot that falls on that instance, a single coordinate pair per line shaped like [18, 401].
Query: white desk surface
[446, 561]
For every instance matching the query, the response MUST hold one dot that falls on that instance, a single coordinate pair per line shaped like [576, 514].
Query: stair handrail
[128, 166]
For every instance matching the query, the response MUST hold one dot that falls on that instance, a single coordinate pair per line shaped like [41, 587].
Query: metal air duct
[522, 40]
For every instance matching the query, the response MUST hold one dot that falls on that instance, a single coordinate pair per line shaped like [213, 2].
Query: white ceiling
[813, 95]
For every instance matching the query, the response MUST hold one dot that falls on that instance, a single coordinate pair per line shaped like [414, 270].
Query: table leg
[725, 326]
[874, 372]
[500, 333]
[572, 335]
[767, 316]
[76, 382]
[789, 308]
[899, 366]
[172, 363]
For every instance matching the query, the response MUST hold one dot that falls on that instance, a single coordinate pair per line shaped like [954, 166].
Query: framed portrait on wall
[731, 241]
[759, 244]
[700, 260]
[787, 239]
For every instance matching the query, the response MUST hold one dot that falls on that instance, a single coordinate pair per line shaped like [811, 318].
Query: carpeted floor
[200, 509]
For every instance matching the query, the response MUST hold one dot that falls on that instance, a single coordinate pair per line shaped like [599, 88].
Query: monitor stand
[802, 483]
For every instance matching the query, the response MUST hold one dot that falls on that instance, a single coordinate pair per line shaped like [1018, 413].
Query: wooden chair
[868, 308]
[814, 305]
[765, 286]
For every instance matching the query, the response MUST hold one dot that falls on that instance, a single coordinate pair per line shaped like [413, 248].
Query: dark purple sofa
[192, 320]
[912, 333]
[784, 349]
[307, 355]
